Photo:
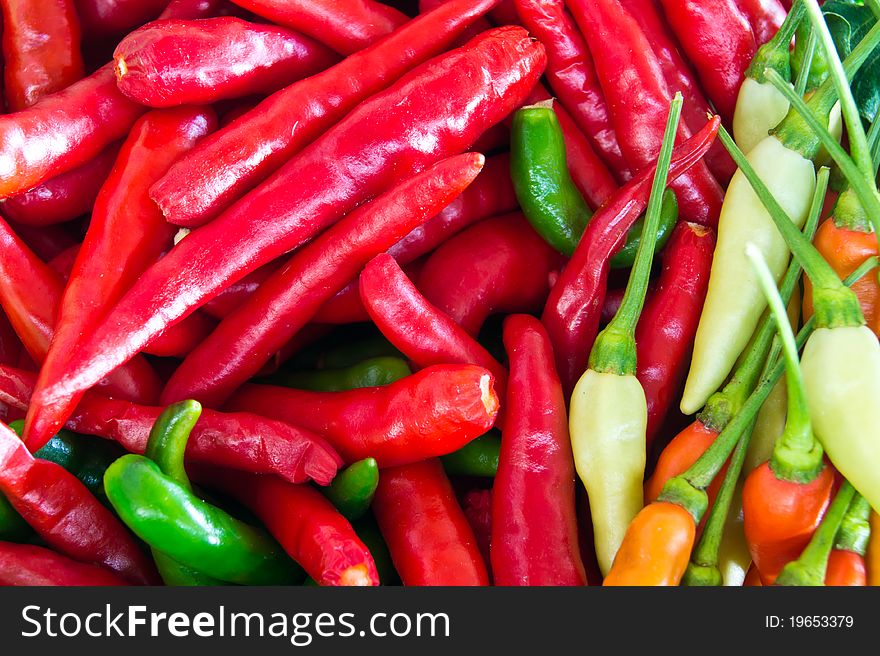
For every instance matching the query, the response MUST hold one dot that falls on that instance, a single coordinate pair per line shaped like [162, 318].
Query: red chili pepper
[28, 564]
[236, 159]
[62, 131]
[391, 136]
[62, 264]
[40, 49]
[178, 62]
[497, 265]
[65, 515]
[573, 309]
[764, 16]
[638, 98]
[105, 17]
[306, 525]
[345, 25]
[231, 298]
[428, 535]
[288, 300]
[181, 339]
[241, 440]
[10, 346]
[572, 76]
[680, 77]
[64, 197]
[719, 41]
[47, 242]
[846, 568]
[418, 329]
[433, 412]
[194, 9]
[476, 505]
[478, 26]
[668, 323]
[309, 334]
[534, 529]
[126, 235]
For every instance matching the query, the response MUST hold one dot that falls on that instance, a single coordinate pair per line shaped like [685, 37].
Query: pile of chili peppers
[447, 292]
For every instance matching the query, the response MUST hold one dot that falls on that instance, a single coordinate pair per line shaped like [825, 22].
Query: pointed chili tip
[356, 575]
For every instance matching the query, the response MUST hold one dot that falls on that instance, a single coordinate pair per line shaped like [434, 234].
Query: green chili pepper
[547, 194]
[351, 353]
[368, 531]
[373, 372]
[625, 257]
[476, 458]
[12, 527]
[157, 502]
[353, 488]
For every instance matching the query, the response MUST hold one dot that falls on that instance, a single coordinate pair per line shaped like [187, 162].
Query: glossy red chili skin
[719, 42]
[62, 131]
[574, 306]
[245, 340]
[478, 26]
[107, 17]
[306, 525]
[638, 97]
[347, 307]
[40, 49]
[482, 270]
[668, 323]
[534, 522]
[247, 151]
[225, 57]
[428, 535]
[430, 413]
[126, 234]
[65, 515]
[386, 139]
[242, 441]
[765, 17]
[29, 565]
[181, 339]
[423, 333]
[227, 301]
[846, 568]
[679, 76]
[571, 74]
[64, 197]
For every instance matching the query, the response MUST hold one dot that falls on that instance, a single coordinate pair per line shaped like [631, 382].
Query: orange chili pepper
[846, 568]
[872, 556]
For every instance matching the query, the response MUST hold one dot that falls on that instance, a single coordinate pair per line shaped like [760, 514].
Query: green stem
[855, 530]
[775, 53]
[703, 568]
[614, 350]
[858, 141]
[833, 303]
[800, 85]
[875, 7]
[810, 567]
[688, 489]
[874, 142]
[722, 405]
[797, 455]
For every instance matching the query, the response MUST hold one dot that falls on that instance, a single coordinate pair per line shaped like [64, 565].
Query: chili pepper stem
[775, 53]
[809, 568]
[800, 85]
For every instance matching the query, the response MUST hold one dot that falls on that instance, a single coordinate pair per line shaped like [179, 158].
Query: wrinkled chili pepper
[573, 308]
[479, 271]
[430, 413]
[572, 76]
[30, 293]
[345, 25]
[232, 162]
[534, 527]
[126, 235]
[722, 50]
[240, 346]
[422, 332]
[353, 488]
[28, 564]
[286, 211]
[622, 53]
[179, 62]
[235, 440]
[65, 514]
[90, 114]
[428, 535]
[64, 197]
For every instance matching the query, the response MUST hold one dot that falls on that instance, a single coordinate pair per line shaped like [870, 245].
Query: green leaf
[848, 23]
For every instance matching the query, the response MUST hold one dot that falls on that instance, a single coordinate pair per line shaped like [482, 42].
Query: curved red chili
[28, 564]
[433, 412]
[62, 131]
[108, 17]
[244, 341]
[345, 25]
[428, 535]
[178, 62]
[534, 522]
[497, 265]
[246, 152]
